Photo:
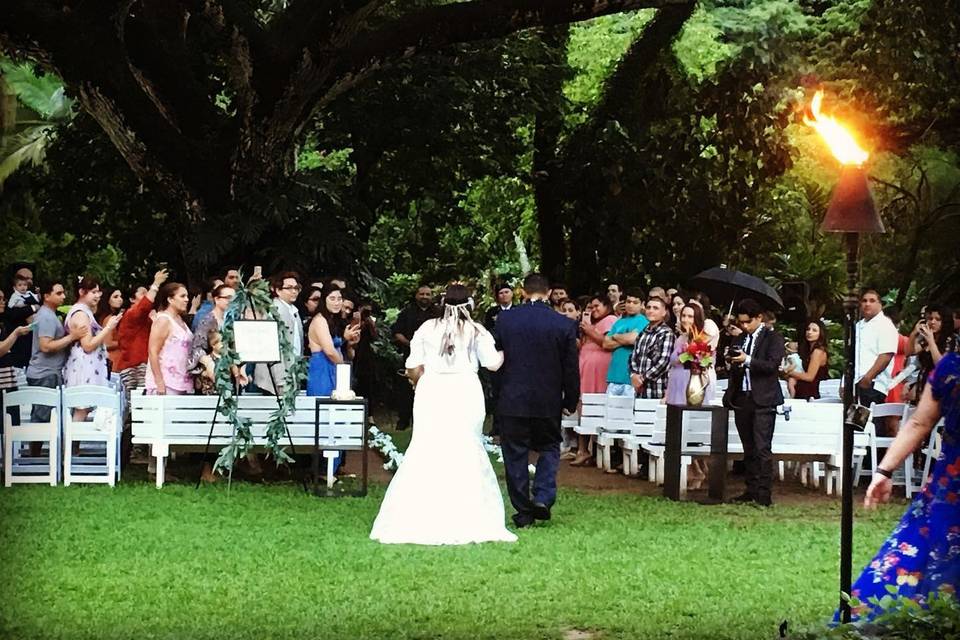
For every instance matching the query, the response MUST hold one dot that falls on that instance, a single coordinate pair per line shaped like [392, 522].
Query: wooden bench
[184, 421]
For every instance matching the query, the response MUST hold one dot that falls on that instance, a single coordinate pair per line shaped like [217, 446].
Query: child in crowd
[21, 295]
[791, 362]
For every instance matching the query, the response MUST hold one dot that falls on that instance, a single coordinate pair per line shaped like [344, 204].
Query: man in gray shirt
[51, 345]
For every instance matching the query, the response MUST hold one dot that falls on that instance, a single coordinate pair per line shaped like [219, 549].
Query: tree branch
[322, 77]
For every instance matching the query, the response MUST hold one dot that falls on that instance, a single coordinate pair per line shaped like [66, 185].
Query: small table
[326, 490]
[719, 424]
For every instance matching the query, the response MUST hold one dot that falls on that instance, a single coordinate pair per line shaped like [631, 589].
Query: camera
[733, 351]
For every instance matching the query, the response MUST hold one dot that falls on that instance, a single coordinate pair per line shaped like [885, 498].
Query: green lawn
[271, 562]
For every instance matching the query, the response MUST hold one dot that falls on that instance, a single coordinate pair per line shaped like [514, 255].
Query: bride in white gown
[445, 491]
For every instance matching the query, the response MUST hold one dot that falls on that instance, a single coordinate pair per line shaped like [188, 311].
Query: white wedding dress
[445, 490]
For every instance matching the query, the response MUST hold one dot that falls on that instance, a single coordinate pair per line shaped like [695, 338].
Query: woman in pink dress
[594, 360]
[170, 342]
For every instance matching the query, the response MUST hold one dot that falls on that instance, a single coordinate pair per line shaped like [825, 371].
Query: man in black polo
[409, 320]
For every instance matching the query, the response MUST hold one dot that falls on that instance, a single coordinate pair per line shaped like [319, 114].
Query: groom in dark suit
[753, 392]
[540, 381]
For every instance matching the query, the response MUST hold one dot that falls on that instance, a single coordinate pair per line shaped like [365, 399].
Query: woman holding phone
[595, 324]
[331, 343]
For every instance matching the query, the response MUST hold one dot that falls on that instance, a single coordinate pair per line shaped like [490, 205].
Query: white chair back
[26, 397]
[106, 427]
[888, 410]
[830, 389]
[43, 469]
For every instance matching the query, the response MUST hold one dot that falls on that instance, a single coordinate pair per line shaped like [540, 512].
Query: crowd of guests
[631, 342]
[164, 338]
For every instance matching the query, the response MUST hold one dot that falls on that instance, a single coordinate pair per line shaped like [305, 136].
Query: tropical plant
[43, 94]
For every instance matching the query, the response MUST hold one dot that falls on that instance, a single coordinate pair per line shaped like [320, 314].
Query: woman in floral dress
[87, 362]
[922, 555]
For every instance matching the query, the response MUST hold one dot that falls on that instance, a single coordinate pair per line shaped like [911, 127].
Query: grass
[271, 562]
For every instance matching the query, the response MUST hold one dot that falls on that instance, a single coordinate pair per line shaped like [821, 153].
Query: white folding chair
[931, 451]
[18, 468]
[901, 477]
[104, 427]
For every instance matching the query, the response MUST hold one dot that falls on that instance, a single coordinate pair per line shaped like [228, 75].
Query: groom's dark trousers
[519, 436]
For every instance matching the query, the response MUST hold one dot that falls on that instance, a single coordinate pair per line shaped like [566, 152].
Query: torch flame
[841, 142]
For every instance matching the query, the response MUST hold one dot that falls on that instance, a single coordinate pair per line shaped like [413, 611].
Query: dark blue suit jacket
[541, 372]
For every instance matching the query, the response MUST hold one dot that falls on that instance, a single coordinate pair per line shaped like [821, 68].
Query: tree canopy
[639, 141]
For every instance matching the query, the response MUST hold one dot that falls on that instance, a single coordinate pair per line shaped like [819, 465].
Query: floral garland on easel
[255, 296]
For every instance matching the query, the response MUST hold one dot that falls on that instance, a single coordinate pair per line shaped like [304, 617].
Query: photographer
[754, 394]
[930, 339]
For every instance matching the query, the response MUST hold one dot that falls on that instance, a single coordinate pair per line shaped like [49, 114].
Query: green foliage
[255, 298]
[594, 49]
[898, 618]
[41, 92]
[44, 95]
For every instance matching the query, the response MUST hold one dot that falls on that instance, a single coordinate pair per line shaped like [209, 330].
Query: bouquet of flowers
[698, 356]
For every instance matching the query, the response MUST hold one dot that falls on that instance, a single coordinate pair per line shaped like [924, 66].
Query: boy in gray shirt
[51, 344]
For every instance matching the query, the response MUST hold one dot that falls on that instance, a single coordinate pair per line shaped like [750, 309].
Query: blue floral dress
[922, 554]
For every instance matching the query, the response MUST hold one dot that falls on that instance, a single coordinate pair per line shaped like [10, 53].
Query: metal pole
[850, 308]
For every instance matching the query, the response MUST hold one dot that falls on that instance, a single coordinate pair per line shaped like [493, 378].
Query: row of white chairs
[809, 433]
[97, 437]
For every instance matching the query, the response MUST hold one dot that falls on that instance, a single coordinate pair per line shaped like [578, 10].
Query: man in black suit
[540, 381]
[754, 393]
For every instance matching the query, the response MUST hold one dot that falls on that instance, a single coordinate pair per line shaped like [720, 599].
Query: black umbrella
[728, 285]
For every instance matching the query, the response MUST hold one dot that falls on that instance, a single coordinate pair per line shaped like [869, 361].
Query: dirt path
[591, 479]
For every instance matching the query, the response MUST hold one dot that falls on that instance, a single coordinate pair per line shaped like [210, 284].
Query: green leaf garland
[256, 295]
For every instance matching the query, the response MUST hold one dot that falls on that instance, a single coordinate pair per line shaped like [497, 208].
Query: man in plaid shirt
[650, 361]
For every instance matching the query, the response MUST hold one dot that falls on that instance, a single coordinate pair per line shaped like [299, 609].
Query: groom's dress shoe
[522, 521]
[541, 511]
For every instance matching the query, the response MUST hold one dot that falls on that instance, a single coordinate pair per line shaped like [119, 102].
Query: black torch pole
[850, 307]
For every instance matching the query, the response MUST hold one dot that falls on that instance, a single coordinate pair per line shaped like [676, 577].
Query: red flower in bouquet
[698, 355]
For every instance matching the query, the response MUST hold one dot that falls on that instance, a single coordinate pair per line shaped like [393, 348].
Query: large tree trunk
[546, 190]
[633, 97]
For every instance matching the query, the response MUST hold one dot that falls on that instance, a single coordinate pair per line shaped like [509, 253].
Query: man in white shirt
[876, 343]
[285, 288]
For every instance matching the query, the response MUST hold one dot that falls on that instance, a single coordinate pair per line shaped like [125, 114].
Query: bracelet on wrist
[883, 472]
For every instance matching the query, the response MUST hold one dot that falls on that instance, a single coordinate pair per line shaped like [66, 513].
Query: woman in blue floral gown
[922, 554]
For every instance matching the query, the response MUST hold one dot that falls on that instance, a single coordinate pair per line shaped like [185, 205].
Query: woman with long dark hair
[692, 327]
[445, 490]
[331, 343]
[813, 357]
[930, 340]
[111, 304]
